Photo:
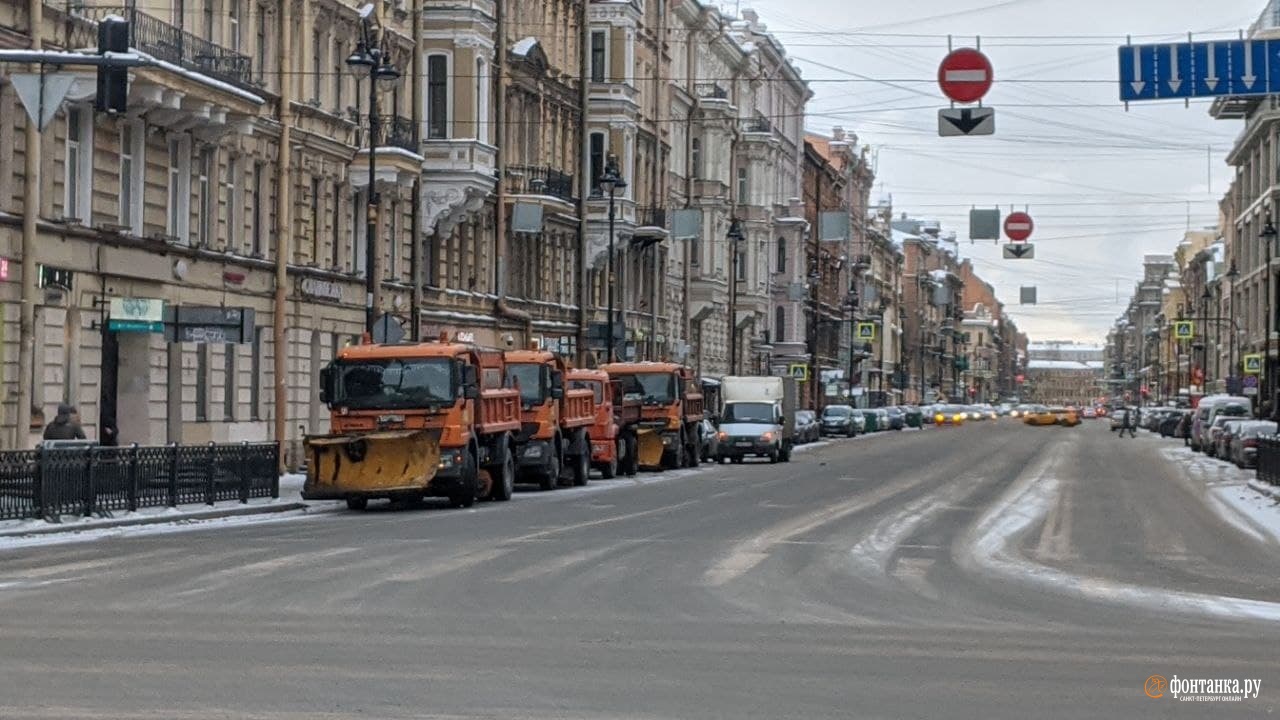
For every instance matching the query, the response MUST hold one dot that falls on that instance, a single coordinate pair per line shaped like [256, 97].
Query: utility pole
[30, 286]
[284, 207]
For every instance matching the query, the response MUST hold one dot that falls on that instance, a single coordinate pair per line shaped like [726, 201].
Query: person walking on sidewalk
[65, 425]
[1129, 423]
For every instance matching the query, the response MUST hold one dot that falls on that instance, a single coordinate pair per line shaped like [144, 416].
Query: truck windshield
[592, 385]
[748, 412]
[530, 378]
[650, 388]
[394, 383]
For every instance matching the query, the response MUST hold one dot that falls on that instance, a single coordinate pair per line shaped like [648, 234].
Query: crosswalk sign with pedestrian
[866, 331]
[1253, 364]
[1184, 330]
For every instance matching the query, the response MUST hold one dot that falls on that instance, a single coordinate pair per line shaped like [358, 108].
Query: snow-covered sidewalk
[1233, 493]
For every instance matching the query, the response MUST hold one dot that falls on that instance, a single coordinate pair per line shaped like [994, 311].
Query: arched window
[782, 255]
[780, 324]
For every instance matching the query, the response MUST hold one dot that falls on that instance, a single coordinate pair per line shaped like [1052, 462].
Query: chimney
[750, 16]
[837, 133]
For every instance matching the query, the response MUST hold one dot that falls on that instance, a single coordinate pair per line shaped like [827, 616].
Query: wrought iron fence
[53, 481]
[170, 43]
[1269, 460]
[756, 125]
[537, 180]
[651, 217]
[710, 91]
[396, 131]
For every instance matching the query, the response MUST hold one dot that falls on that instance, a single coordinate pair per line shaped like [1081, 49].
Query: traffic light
[113, 82]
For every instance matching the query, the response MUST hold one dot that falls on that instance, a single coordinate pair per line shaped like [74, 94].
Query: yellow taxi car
[1039, 415]
[1068, 417]
[949, 415]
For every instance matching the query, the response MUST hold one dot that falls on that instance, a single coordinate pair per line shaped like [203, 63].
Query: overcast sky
[1105, 186]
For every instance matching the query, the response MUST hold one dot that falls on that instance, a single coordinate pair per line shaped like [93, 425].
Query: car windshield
[393, 383]
[836, 412]
[748, 412]
[530, 377]
[650, 388]
[1256, 429]
[1233, 410]
[951, 409]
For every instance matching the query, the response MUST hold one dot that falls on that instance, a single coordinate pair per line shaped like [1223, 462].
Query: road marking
[558, 564]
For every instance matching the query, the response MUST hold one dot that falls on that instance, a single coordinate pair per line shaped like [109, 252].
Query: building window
[317, 63]
[256, 237]
[597, 162]
[231, 186]
[695, 152]
[315, 221]
[739, 264]
[79, 165]
[255, 371]
[132, 134]
[393, 243]
[743, 187]
[599, 55]
[695, 250]
[482, 101]
[179, 223]
[229, 382]
[261, 60]
[202, 382]
[782, 254]
[207, 16]
[205, 168]
[437, 97]
[339, 72]
[780, 324]
[359, 257]
[233, 24]
[336, 231]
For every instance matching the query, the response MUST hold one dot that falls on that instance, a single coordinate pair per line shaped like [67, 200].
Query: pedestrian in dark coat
[65, 425]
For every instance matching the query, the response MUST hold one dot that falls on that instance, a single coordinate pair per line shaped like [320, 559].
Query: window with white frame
[205, 169]
[744, 187]
[259, 195]
[78, 179]
[179, 211]
[482, 100]
[695, 159]
[335, 232]
[231, 193]
[234, 12]
[339, 74]
[597, 162]
[437, 96]
[317, 65]
[393, 243]
[599, 55]
[359, 258]
[132, 135]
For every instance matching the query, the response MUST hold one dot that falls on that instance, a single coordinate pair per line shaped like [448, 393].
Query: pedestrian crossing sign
[1253, 364]
[866, 331]
[1184, 330]
[799, 371]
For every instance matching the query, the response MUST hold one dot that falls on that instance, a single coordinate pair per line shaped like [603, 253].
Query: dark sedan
[838, 420]
[807, 427]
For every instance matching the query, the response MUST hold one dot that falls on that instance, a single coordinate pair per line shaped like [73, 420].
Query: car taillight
[1250, 443]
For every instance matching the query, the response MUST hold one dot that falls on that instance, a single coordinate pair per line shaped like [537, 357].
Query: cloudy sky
[1105, 186]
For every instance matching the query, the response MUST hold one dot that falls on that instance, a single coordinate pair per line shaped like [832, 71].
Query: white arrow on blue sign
[1199, 69]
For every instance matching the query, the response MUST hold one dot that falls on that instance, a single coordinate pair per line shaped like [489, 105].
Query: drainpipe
[416, 273]
[500, 306]
[283, 214]
[30, 214]
[584, 175]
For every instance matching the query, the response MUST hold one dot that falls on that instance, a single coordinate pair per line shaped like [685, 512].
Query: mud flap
[373, 464]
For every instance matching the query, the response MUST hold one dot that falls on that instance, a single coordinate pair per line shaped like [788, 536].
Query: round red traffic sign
[965, 75]
[1018, 226]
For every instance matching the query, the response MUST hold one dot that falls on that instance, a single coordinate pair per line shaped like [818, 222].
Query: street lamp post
[1233, 273]
[1268, 236]
[375, 61]
[735, 237]
[1205, 297]
[611, 182]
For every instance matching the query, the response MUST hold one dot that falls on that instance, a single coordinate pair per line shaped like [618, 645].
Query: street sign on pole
[1027, 295]
[1250, 385]
[1019, 251]
[42, 94]
[1018, 226]
[799, 371]
[1184, 329]
[965, 75]
[866, 331]
[1199, 69]
[966, 121]
[984, 224]
[1253, 364]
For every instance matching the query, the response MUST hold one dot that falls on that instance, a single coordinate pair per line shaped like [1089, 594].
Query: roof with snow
[1062, 365]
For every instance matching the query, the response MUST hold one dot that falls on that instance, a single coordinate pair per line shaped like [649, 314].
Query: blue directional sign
[1199, 69]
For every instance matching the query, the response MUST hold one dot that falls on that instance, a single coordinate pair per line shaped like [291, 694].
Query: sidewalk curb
[1264, 489]
[197, 516]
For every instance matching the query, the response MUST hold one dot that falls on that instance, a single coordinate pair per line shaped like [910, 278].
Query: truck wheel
[357, 503]
[773, 457]
[581, 469]
[632, 462]
[785, 455]
[551, 478]
[692, 453]
[466, 496]
[505, 482]
[609, 470]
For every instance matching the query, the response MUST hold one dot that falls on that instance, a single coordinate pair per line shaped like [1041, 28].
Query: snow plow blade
[378, 464]
[649, 448]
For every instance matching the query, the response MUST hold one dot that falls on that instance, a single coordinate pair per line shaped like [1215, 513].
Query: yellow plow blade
[373, 464]
[649, 448]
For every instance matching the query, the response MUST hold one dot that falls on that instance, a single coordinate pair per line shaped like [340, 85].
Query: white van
[1209, 408]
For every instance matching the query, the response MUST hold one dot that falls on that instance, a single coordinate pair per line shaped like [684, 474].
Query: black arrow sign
[1018, 250]
[966, 123]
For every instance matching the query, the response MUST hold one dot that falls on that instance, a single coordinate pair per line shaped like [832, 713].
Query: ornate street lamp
[610, 183]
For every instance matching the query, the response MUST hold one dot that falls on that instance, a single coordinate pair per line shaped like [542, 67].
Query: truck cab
[554, 436]
[671, 407]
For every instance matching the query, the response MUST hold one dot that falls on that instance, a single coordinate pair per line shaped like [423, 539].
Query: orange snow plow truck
[670, 411]
[415, 420]
[613, 435]
[554, 440]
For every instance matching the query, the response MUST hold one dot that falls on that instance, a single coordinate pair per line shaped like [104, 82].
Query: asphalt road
[989, 571]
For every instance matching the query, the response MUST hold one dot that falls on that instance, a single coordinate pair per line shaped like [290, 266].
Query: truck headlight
[767, 437]
[450, 459]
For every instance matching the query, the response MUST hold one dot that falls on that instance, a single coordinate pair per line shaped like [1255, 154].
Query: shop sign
[319, 289]
[144, 315]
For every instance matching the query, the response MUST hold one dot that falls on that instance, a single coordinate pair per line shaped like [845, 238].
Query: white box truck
[757, 418]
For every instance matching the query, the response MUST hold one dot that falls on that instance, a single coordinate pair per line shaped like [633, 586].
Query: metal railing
[651, 217]
[173, 44]
[539, 180]
[710, 91]
[756, 125]
[53, 481]
[1269, 460]
[400, 132]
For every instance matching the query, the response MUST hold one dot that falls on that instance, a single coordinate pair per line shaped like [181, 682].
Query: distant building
[1063, 372]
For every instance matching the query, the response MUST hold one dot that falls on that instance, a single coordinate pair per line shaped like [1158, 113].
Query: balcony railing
[756, 125]
[400, 132]
[651, 217]
[539, 180]
[173, 44]
[710, 91]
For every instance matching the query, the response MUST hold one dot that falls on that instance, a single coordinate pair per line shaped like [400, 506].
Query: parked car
[927, 412]
[1068, 417]
[1207, 410]
[1020, 411]
[1244, 443]
[949, 415]
[1169, 423]
[1039, 415]
[914, 416]
[838, 420]
[806, 426]
[1089, 413]
[1222, 443]
[897, 418]
[710, 445]
[882, 419]
[1209, 438]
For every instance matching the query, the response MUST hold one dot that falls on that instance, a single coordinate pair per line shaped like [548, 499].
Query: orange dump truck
[670, 411]
[415, 420]
[613, 434]
[555, 430]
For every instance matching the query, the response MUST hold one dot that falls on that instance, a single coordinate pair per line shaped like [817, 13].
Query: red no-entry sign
[965, 75]
[1018, 226]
